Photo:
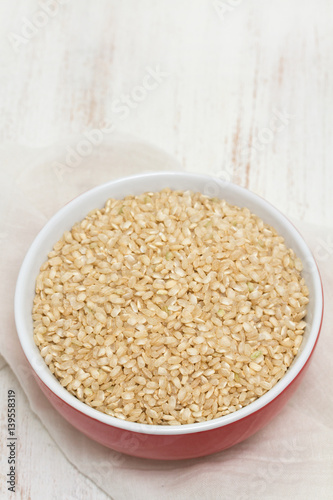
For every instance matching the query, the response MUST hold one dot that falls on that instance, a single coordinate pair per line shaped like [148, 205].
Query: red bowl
[160, 441]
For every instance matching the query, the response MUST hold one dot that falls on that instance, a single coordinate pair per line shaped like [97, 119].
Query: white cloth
[290, 458]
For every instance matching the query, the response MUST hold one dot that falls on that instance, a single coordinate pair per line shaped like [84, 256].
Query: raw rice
[169, 308]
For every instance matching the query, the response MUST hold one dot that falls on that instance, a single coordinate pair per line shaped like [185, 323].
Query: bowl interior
[96, 198]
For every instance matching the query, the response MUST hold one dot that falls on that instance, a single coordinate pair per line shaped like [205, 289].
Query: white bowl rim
[45, 375]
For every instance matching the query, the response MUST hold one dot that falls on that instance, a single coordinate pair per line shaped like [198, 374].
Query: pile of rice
[169, 308]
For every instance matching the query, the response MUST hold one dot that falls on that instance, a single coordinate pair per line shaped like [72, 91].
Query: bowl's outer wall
[173, 447]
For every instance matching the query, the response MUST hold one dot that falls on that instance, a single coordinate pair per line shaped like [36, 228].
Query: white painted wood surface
[245, 92]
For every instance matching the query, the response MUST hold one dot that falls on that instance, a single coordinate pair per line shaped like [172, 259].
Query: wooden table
[239, 89]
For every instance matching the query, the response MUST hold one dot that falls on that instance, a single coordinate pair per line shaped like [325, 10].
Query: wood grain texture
[248, 97]
[226, 77]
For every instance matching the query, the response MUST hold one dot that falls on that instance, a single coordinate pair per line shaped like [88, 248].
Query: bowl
[161, 441]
